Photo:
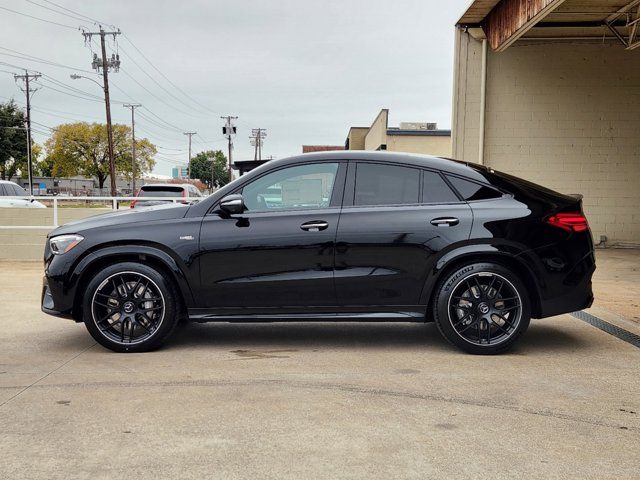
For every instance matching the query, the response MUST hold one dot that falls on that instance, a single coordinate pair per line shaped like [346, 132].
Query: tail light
[571, 222]
[133, 203]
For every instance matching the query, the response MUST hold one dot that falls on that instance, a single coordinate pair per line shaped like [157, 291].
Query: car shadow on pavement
[325, 334]
[539, 337]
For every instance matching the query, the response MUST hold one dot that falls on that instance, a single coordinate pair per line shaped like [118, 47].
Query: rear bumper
[572, 291]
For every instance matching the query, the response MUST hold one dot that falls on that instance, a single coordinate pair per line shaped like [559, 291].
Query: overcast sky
[304, 70]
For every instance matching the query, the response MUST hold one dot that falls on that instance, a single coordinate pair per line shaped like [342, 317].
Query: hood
[147, 214]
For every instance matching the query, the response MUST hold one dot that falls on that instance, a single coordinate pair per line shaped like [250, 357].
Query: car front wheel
[482, 308]
[130, 307]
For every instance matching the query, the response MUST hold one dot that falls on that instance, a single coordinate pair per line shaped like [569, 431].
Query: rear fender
[526, 264]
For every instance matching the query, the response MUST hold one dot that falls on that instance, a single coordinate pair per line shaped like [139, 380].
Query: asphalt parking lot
[313, 400]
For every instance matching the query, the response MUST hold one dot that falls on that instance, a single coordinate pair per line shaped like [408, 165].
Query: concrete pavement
[311, 401]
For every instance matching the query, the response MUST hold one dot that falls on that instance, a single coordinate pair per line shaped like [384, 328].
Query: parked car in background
[185, 191]
[331, 236]
[11, 189]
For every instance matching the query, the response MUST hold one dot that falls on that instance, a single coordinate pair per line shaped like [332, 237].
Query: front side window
[378, 184]
[300, 187]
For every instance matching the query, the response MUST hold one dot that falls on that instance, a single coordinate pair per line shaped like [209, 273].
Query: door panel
[264, 260]
[280, 252]
[383, 253]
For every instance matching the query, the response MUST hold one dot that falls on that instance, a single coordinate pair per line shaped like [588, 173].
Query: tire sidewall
[170, 312]
[441, 306]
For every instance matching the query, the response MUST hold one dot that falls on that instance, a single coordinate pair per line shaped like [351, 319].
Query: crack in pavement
[45, 375]
[347, 388]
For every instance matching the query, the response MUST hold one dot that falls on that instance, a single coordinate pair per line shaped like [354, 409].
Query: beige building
[409, 137]
[549, 90]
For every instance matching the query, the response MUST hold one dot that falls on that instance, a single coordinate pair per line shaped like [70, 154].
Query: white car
[10, 189]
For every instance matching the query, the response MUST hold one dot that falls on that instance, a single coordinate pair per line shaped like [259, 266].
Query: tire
[130, 307]
[482, 308]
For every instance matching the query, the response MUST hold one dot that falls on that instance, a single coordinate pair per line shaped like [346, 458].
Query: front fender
[142, 253]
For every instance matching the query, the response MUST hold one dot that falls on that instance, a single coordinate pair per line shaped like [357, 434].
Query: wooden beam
[510, 19]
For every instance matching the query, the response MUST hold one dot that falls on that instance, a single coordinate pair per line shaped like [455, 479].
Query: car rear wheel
[130, 307]
[482, 308]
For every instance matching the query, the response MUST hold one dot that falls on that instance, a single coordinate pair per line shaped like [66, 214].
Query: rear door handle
[314, 226]
[445, 221]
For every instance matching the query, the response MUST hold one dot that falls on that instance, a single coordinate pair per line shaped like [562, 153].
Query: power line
[164, 76]
[57, 11]
[38, 18]
[181, 102]
[32, 58]
[78, 13]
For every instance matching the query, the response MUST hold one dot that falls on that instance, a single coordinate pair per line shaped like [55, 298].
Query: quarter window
[435, 189]
[471, 191]
[386, 185]
[301, 187]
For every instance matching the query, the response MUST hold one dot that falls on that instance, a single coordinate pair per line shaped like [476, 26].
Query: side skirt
[199, 315]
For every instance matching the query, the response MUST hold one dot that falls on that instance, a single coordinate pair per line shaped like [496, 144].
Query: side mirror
[232, 204]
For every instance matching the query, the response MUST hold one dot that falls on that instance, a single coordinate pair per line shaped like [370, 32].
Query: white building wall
[565, 115]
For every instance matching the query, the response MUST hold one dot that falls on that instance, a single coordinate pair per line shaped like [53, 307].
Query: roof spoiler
[577, 196]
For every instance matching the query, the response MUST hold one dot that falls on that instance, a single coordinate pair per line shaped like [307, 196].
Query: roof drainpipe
[483, 99]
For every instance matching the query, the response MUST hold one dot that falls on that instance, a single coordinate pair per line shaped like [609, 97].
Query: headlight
[63, 243]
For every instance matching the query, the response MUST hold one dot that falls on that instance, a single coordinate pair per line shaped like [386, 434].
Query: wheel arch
[143, 254]
[454, 260]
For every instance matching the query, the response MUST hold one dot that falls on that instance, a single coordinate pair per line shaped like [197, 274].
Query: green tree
[201, 168]
[13, 143]
[82, 149]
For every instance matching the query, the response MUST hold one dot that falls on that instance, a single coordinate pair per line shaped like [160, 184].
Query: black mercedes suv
[331, 236]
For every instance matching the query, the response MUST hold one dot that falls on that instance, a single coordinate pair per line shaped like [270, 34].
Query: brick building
[549, 90]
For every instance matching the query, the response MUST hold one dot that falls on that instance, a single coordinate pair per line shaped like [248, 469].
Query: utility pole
[257, 139]
[27, 90]
[229, 130]
[133, 107]
[105, 64]
[189, 134]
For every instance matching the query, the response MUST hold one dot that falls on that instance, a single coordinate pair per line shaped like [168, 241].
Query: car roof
[425, 161]
[8, 181]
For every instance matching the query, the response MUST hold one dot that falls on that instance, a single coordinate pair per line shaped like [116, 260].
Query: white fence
[55, 202]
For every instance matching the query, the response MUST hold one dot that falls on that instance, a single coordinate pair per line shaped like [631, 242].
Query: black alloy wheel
[129, 307]
[482, 308]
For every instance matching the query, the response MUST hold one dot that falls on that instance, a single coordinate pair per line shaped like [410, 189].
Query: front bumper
[47, 303]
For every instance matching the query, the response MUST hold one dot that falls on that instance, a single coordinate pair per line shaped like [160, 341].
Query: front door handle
[314, 226]
[445, 221]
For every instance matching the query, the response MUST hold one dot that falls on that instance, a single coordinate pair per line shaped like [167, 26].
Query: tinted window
[3, 192]
[20, 191]
[471, 191]
[148, 191]
[301, 187]
[386, 184]
[436, 190]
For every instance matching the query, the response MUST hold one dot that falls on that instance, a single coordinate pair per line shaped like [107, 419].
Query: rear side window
[471, 191]
[436, 190]
[21, 192]
[386, 185]
[3, 192]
